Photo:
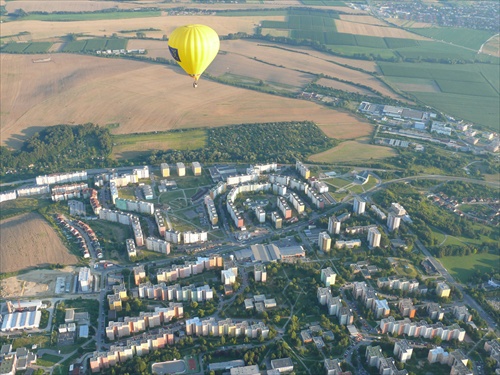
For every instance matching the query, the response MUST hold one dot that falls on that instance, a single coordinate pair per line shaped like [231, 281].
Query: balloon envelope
[194, 47]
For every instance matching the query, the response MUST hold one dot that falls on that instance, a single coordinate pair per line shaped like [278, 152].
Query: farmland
[141, 97]
[459, 36]
[29, 241]
[92, 45]
[468, 91]
[36, 47]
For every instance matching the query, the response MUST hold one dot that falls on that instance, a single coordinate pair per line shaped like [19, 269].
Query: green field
[468, 91]
[480, 110]
[460, 36]
[48, 360]
[65, 17]
[462, 267]
[21, 205]
[125, 146]
[37, 47]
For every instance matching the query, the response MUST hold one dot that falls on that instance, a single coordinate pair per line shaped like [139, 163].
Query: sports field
[462, 267]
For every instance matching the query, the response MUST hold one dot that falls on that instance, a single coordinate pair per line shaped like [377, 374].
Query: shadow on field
[16, 141]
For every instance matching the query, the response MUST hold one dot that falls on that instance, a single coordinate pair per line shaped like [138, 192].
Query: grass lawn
[41, 340]
[353, 151]
[170, 196]
[358, 189]
[20, 206]
[462, 267]
[48, 360]
[136, 145]
[372, 181]
[190, 182]
[127, 193]
[337, 182]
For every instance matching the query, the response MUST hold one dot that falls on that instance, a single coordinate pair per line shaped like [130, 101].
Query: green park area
[462, 267]
[136, 145]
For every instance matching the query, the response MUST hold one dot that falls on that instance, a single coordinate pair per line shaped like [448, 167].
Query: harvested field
[374, 30]
[245, 66]
[28, 241]
[409, 23]
[313, 63]
[365, 19]
[492, 46]
[36, 283]
[346, 126]
[223, 25]
[343, 86]
[353, 151]
[155, 48]
[141, 97]
[73, 6]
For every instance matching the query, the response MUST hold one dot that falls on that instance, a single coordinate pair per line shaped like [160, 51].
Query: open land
[28, 241]
[369, 20]
[66, 6]
[492, 46]
[141, 97]
[165, 25]
[374, 30]
[342, 86]
[358, 150]
[462, 267]
[314, 63]
[36, 283]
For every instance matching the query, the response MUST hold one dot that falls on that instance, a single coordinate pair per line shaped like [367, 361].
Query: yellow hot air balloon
[194, 47]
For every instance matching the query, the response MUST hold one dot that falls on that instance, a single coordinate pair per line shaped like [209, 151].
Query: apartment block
[328, 276]
[303, 170]
[443, 290]
[333, 225]
[359, 205]
[324, 242]
[165, 170]
[181, 169]
[196, 167]
[260, 273]
[374, 237]
[402, 350]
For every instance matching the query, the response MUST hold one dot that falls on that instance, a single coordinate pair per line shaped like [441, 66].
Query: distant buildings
[421, 329]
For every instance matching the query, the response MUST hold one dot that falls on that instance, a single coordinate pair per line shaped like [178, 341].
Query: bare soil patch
[374, 30]
[140, 96]
[29, 241]
[36, 283]
[343, 86]
[409, 23]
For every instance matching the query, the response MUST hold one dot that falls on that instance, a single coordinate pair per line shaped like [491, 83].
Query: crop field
[353, 151]
[467, 91]
[66, 17]
[66, 6]
[291, 59]
[27, 241]
[358, 28]
[414, 84]
[364, 19]
[462, 267]
[133, 145]
[105, 28]
[342, 86]
[492, 46]
[140, 97]
[328, 3]
[436, 50]
[92, 45]
[36, 47]
[459, 36]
